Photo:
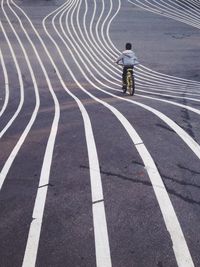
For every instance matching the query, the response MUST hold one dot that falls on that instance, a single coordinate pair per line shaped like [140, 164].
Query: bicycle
[130, 82]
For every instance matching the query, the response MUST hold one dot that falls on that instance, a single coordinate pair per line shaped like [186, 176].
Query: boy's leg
[124, 79]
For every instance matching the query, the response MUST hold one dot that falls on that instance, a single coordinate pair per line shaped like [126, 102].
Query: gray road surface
[90, 176]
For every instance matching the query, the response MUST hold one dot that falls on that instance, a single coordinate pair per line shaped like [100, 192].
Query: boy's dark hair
[128, 46]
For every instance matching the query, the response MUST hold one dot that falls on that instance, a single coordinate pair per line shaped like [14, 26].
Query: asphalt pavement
[91, 176]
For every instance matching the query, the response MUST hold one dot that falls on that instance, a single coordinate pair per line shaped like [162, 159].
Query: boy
[128, 60]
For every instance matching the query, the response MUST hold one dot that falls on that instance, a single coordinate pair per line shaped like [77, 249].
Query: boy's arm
[119, 58]
[136, 62]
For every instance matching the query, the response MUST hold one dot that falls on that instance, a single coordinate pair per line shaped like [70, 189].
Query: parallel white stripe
[189, 8]
[179, 130]
[35, 227]
[166, 76]
[167, 88]
[115, 51]
[97, 61]
[179, 13]
[186, 263]
[172, 96]
[89, 45]
[6, 82]
[177, 235]
[102, 30]
[97, 194]
[178, 85]
[95, 177]
[97, 30]
[143, 66]
[85, 58]
[107, 64]
[153, 89]
[173, 80]
[197, 111]
[103, 258]
[22, 138]
[188, 140]
[180, 247]
[158, 81]
[91, 40]
[184, 136]
[69, 39]
[170, 78]
[21, 84]
[103, 54]
[82, 44]
[193, 5]
[161, 12]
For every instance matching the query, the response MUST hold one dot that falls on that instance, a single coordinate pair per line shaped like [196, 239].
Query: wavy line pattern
[80, 29]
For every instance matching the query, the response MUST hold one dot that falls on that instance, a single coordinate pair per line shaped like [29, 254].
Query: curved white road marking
[21, 84]
[163, 12]
[187, 261]
[22, 138]
[100, 226]
[35, 227]
[189, 255]
[6, 82]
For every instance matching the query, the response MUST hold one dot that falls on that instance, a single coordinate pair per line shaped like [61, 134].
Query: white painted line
[21, 84]
[22, 138]
[159, 80]
[88, 56]
[155, 77]
[168, 78]
[167, 95]
[153, 73]
[6, 82]
[186, 258]
[166, 13]
[116, 53]
[90, 44]
[95, 178]
[165, 88]
[177, 248]
[108, 48]
[179, 13]
[181, 251]
[191, 143]
[85, 55]
[96, 187]
[35, 227]
[101, 236]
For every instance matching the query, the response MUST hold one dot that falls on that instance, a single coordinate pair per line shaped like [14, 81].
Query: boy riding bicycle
[128, 60]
